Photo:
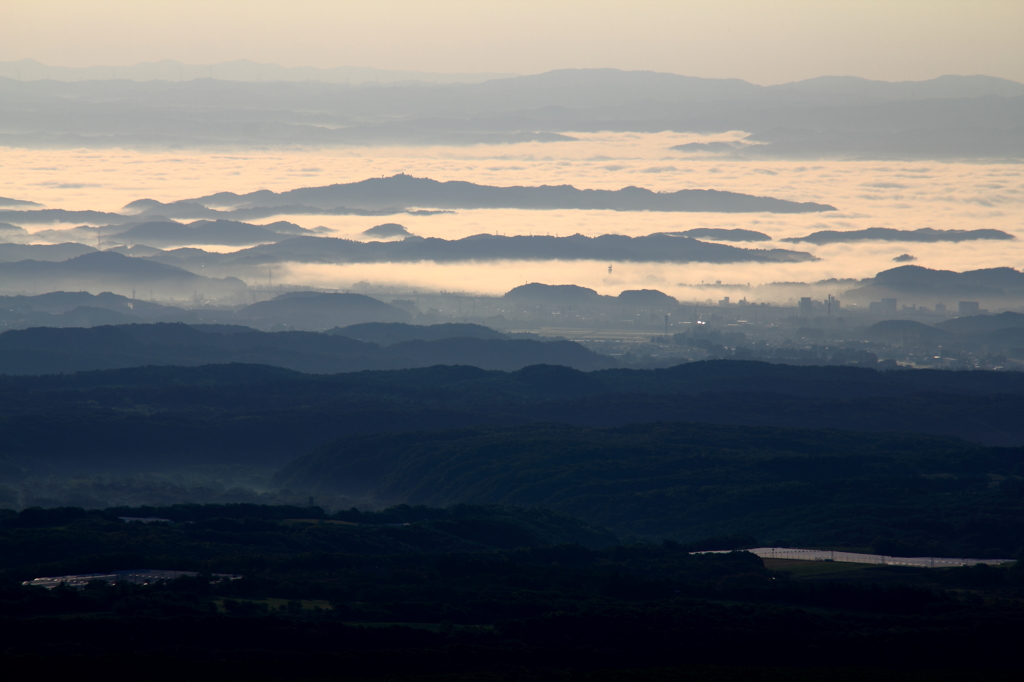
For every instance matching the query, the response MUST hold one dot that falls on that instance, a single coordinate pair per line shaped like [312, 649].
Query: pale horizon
[765, 43]
[485, 73]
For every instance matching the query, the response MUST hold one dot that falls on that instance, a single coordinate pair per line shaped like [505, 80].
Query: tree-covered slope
[901, 493]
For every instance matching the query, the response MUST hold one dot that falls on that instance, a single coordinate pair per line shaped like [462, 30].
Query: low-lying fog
[900, 195]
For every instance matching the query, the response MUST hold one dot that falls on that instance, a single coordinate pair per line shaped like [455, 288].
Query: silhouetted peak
[553, 293]
[140, 205]
[100, 256]
[897, 331]
[646, 297]
[387, 230]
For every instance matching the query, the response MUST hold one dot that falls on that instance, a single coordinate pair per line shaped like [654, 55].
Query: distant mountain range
[946, 117]
[13, 234]
[82, 309]
[227, 232]
[108, 271]
[10, 253]
[319, 311]
[351, 315]
[402, 191]
[387, 231]
[560, 295]
[973, 324]
[380, 196]
[45, 216]
[4, 201]
[886, 234]
[162, 233]
[994, 334]
[181, 210]
[52, 350]
[387, 334]
[310, 311]
[923, 286]
[244, 70]
[655, 248]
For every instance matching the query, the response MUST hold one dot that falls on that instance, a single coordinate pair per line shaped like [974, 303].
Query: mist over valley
[467, 360]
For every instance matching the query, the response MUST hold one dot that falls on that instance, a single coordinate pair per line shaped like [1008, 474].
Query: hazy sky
[762, 41]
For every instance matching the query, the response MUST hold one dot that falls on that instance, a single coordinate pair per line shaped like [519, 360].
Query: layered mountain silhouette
[654, 248]
[615, 476]
[10, 253]
[553, 294]
[47, 216]
[973, 324]
[162, 232]
[107, 271]
[82, 316]
[571, 295]
[8, 231]
[82, 309]
[887, 234]
[387, 230]
[646, 298]
[190, 210]
[319, 311]
[402, 191]
[228, 232]
[946, 117]
[926, 286]
[379, 197]
[907, 331]
[390, 333]
[7, 202]
[53, 350]
[993, 334]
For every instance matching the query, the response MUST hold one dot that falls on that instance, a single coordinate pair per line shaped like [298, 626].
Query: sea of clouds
[902, 195]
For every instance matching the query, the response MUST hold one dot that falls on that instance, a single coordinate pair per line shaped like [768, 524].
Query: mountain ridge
[52, 350]
[947, 117]
[404, 191]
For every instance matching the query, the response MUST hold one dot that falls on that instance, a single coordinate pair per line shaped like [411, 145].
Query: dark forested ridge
[545, 382]
[385, 333]
[198, 421]
[908, 494]
[47, 350]
[584, 565]
[161, 418]
[202, 534]
[470, 592]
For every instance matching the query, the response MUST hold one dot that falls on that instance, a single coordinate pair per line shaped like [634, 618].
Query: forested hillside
[469, 593]
[902, 495]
